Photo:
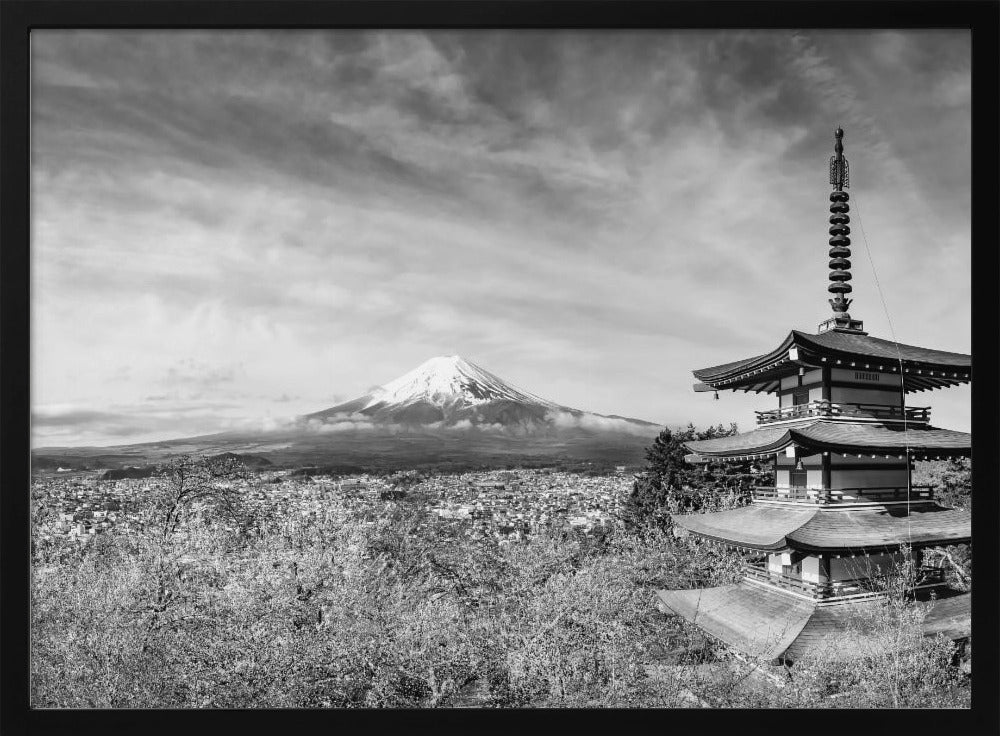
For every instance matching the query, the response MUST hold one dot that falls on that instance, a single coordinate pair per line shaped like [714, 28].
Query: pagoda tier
[866, 439]
[922, 368]
[771, 625]
[847, 527]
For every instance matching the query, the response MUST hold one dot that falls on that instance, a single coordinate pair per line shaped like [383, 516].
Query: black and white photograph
[501, 368]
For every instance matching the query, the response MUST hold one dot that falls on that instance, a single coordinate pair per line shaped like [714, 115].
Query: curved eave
[751, 619]
[922, 369]
[761, 373]
[809, 528]
[769, 624]
[752, 527]
[881, 528]
[756, 442]
[780, 545]
[846, 438]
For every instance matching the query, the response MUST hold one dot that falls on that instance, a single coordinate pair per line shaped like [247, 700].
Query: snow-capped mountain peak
[449, 379]
[451, 392]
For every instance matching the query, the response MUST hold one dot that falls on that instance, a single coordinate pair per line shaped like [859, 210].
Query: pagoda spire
[840, 242]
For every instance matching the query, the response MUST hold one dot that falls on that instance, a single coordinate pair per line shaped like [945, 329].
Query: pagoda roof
[753, 619]
[756, 526]
[923, 368]
[766, 623]
[835, 435]
[769, 527]
[950, 617]
[883, 526]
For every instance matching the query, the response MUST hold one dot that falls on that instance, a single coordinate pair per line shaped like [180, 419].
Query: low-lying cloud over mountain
[450, 393]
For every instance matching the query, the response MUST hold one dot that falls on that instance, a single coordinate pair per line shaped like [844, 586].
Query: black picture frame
[18, 18]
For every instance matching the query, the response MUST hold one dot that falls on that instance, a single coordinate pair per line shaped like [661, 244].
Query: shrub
[391, 606]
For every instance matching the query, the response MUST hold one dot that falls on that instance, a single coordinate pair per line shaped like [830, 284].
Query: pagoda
[842, 513]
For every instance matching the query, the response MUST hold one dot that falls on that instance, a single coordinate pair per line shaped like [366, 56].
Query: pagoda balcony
[843, 495]
[821, 408]
[927, 577]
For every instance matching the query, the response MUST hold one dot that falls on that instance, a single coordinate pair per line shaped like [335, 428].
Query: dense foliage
[216, 603]
[951, 480]
[952, 484]
[669, 484]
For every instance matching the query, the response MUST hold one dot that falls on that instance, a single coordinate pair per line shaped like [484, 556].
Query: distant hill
[251, 461]
[144, 471]
[255, 462]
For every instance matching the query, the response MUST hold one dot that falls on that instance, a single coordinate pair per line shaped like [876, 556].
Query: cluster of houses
[86, 506]
[506, 504]
[511, 504]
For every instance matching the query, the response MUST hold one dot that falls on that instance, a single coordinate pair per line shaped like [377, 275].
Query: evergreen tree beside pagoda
[670, 485]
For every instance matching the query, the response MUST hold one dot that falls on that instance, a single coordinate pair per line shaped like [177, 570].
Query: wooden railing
[843, 495]
[799, 411]
[824, 408]
[926, 576]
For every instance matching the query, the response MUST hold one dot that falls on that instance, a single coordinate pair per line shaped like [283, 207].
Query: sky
[233, 228]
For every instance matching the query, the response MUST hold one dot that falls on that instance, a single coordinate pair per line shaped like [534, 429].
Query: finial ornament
[840, 251]
[840, 171]
[840, 242]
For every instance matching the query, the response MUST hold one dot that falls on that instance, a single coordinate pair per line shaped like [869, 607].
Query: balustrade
[828, 409]
[926, 577]
[843, 495]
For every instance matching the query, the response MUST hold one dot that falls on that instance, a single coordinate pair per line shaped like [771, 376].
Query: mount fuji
[451, 392]
[446, 413]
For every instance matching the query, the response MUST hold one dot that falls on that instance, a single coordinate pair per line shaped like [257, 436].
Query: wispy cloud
[71, 425]
[193, 373]
[245, 216]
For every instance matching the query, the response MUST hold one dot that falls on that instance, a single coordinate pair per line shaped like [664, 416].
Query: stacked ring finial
[840, 242]
[840, 250]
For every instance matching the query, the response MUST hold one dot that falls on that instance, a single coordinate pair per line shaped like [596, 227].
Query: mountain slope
[449, 391]
[446, 413]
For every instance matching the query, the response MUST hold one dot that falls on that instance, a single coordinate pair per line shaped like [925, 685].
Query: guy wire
[902, 375]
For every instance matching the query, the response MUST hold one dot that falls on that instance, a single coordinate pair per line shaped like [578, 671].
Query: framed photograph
[384, 361]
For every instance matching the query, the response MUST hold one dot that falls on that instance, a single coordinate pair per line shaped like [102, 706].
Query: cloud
[72, 417]
[336, 423]
[266, 215]
[593, 422]
[190, 372]
[55, 424]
